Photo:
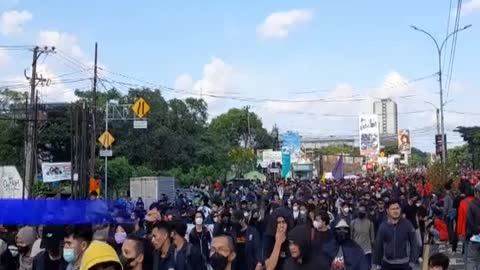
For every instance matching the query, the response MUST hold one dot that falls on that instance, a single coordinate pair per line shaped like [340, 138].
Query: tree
[241, 127]
[242, 160]
[471, 135]
[119, 173]
[418, 158]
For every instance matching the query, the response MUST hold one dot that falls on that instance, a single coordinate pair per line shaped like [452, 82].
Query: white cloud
[13, 21]
[280, 24]
[471, 7]
[183, 82]
[4, 58]
[54, 91]
[65, 42]
[217, 78]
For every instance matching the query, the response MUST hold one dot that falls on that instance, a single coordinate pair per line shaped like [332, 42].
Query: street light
[437, 114]
[439, 52]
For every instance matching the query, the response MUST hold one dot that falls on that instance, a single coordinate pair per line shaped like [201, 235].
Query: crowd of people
[372, 222]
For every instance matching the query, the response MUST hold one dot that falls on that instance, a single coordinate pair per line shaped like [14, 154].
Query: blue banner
[286, 162]
[58, 212]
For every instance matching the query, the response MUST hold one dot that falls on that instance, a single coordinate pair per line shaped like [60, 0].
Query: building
[311, 143]
[386, 109]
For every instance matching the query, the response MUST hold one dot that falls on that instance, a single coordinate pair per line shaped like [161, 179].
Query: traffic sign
[140, 108]
[106, 139]
[140, 124]
[106, 153]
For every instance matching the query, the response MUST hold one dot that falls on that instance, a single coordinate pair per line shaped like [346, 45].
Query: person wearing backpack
[186, 256]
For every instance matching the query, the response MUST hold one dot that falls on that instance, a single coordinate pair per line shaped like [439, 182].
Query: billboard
[369, 135]
[53, 172]
[404, 145]
[291, 142]
[270, 156]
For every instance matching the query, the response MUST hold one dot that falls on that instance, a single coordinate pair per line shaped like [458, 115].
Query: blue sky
[262, 49]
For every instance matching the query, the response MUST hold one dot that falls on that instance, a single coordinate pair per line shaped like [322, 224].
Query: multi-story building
[386, 109]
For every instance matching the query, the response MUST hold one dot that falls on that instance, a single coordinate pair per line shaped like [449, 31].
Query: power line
[453, 47]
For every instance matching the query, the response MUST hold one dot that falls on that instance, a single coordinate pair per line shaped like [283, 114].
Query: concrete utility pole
[93, 138]
[437, 114]
[30, 152]
[439, 52]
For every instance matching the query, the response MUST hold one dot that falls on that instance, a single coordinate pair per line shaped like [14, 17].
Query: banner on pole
[404, 145]
[54, 172]
[369, 135]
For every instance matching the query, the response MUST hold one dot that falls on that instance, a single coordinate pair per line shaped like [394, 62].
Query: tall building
[386, 109]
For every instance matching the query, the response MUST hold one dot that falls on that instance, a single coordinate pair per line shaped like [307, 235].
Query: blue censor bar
[56, 212]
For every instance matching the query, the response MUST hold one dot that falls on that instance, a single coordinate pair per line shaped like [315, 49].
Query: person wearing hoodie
[275, 245]
[100, 256]
[321, 232]
[186, 256]
[302, 256]
[200, 237]
[25, 238]
[396, 244]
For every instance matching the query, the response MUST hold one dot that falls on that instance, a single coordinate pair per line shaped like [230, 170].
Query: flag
[337, 172]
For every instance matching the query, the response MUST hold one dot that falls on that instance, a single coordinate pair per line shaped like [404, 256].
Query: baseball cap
[52, 236]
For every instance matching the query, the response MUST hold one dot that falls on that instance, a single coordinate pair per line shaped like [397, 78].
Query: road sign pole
[106, 158]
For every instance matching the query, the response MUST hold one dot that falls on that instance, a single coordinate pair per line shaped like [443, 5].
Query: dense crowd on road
[372, 222]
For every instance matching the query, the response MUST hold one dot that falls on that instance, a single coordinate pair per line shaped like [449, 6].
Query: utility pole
[248, 126]
[442, 122]
[93, 138]
[30, 147]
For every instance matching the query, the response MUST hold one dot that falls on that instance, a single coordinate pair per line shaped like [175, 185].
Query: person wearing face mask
[380, 215]
[51, 257]
[222, 253]
[321, 232]
[120, 235]
[7, 259]
[363, 233]
[76, 241]
[347, 254]
[345, 214]
[185, 255]
[136, 254]
[248, 245]
[200, 237]
[25, 238]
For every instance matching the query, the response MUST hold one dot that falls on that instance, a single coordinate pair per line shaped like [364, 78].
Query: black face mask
[126, 262]
[341, 236]
[218, 261]
[362, 215]
[23, 250]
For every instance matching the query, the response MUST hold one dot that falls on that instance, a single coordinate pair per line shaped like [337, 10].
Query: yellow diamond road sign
[140, 108]
[106, 139]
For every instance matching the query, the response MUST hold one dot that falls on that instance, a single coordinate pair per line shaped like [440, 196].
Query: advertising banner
[286, 165]
[404, 141]
[270, 156]
[369, 135]
[291, 141]
[54, 172]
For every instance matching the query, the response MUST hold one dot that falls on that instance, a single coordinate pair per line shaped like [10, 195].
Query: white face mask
[346, 210]
[317, 224]
[13, 250]
[303, 212]
[199, 221]
[295, 208]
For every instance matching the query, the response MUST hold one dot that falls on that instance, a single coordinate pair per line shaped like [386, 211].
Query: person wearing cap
[472, 231]
[343, 252]
[100, 256]
[52, 257]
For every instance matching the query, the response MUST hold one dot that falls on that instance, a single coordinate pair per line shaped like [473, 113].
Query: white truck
[151, 188]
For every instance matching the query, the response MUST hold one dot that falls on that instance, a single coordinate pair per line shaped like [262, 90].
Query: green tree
[471, 135]
[119, 173]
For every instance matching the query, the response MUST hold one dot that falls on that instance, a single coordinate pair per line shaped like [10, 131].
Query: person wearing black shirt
[52, 257]
[275, 245]
[321, 232]
[247, 243]
[410, 211]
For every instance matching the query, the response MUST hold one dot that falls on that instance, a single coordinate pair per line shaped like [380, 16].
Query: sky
[307, 66]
